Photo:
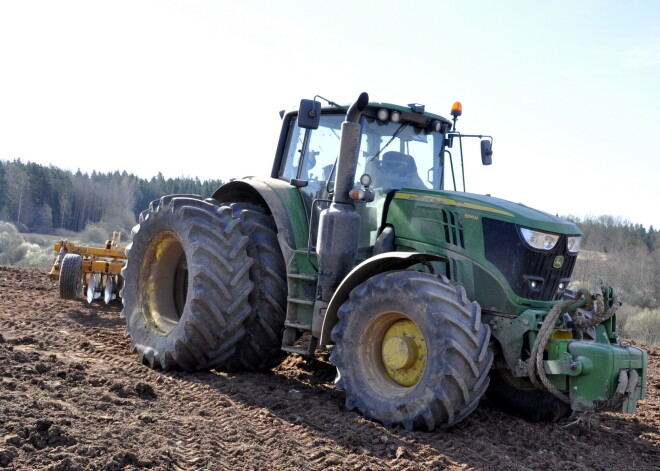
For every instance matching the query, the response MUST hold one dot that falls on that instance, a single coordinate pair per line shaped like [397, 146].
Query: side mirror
[486, 152]
[309, 114]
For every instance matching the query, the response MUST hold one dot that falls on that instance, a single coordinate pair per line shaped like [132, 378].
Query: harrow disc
[109, 291]
[94, 287]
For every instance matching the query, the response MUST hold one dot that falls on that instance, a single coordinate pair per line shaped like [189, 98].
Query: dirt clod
[145, 391]
[7, 455]
[74, 398]
[12, 439]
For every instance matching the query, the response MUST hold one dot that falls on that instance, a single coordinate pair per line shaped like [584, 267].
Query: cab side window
[291, 160]
[320, 155]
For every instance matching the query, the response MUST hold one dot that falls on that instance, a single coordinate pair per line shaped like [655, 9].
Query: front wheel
[410, 349]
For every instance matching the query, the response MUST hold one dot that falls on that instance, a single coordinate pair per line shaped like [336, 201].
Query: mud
[72, 397]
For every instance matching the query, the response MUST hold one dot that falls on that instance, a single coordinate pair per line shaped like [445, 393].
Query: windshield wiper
[331, 103]
[396, 133]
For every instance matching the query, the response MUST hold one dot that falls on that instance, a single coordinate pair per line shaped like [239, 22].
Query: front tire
[410, 350]
[191, 287]
[518, 396]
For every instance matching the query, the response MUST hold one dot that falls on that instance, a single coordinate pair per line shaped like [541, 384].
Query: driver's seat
[400, 170]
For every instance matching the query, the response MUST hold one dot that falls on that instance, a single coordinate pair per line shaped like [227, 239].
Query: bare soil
[73, 397]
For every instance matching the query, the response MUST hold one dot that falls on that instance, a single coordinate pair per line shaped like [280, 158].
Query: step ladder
[301, 296]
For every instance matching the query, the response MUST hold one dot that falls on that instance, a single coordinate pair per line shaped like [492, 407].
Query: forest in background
[43, 200]
[38, 201]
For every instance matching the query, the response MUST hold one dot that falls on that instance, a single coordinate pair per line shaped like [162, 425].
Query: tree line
[620, 254]
[41, 199]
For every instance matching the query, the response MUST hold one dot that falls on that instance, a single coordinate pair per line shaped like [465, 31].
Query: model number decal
[471, 216]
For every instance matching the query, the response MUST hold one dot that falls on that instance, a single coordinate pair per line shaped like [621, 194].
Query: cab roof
[326, 107]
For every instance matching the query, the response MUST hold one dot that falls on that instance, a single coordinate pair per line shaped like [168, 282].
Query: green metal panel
[600, 372]
[450, 223]
[291, 201]
[479, 205]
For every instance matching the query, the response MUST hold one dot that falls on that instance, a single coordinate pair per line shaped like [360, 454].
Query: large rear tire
[71, 276]
[194, 282]
[261, 346]
[410, 350]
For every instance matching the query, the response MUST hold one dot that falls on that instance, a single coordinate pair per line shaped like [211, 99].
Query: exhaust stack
[339, 225]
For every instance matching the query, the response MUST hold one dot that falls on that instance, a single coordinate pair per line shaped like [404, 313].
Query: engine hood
[490, 207]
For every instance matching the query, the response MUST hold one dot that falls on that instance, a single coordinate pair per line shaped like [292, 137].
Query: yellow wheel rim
[404, 352]
[157, 277]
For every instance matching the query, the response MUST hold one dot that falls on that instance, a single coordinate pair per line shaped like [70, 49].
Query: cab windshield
[399, 155]
[396, 155]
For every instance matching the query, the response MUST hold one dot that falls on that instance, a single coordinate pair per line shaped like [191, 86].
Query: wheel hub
[399, 353]
[404, 352]
[162, 279]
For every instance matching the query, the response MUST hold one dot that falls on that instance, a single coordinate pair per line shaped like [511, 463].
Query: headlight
[539, 240]
[573, 244]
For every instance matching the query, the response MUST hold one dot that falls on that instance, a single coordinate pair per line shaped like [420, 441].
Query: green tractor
[426, 298]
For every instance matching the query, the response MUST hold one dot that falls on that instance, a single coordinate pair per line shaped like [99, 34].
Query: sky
[569, 90]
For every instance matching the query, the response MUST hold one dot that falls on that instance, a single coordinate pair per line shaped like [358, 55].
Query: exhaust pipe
[348, 151]
[339, 225]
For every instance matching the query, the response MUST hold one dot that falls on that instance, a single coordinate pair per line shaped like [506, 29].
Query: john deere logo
[559, 261]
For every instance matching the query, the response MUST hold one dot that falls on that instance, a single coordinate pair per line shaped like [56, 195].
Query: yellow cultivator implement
[94, 270]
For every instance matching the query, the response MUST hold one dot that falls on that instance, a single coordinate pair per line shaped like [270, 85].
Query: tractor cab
[398, 148]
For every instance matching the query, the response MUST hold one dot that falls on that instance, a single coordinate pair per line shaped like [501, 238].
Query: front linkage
[598, 373]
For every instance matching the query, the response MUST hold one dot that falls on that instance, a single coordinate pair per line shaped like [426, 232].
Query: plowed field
[73, 397]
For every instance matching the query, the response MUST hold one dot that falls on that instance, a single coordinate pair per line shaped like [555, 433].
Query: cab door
[309, 160]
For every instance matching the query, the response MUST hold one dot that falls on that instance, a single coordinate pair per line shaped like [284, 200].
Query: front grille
[521, 265]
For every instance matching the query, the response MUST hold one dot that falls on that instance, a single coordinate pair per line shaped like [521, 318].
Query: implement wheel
[202, 283]
[410, 349]
[71, 276]
[519, 397]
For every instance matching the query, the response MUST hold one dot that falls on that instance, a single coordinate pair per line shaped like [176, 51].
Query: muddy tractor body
[426, 298]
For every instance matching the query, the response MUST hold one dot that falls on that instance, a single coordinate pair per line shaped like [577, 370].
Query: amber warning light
[456, 109]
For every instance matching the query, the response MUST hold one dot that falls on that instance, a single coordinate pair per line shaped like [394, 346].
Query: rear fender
[281, 199]
[365, 270]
